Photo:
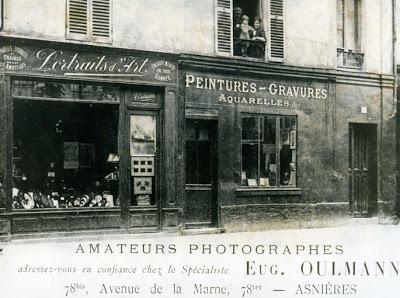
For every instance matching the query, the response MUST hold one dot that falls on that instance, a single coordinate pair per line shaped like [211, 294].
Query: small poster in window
[252, 182]
[264, 182]
[71, 155]
[86, 155]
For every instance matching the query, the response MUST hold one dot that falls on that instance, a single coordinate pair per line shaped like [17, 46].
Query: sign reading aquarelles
[271, 93]
[121, 64]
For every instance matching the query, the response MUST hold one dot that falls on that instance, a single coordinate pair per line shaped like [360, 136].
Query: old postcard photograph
[199, 148]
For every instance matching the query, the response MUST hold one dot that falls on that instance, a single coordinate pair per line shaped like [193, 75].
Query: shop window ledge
[143, 208]
[249, 192]
[66, 210]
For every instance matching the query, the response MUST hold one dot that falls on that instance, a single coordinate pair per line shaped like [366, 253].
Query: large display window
[65, 145]
[269, 151]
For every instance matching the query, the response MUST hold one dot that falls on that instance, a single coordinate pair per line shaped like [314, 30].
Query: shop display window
[269, 151]
[65, 154]
[143, 149]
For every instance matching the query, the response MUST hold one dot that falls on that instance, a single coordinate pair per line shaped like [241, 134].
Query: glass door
[144, 160]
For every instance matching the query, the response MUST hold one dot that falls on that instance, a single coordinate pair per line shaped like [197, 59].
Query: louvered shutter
[224, 27]
[89, 20]
[77, 20]
[101, 20]
[276, 30]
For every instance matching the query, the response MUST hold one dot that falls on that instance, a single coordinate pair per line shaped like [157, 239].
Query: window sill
[66, 210]
[248, 58]
[248, 192]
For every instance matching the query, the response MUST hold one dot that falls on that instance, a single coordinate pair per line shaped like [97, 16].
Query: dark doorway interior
[201, 173]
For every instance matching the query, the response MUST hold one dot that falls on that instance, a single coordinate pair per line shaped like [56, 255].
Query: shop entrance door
[201, 173]
[363, 170]
[144, 169]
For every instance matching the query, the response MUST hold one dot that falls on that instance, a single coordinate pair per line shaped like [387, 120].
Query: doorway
[363, 169]
[201, 173]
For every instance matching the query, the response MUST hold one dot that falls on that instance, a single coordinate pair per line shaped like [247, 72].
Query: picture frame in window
[264, 182]
[252, 182]
[86, 155]
[71, 155]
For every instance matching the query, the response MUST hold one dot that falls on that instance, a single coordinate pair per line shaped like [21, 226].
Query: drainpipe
[394, 58]
[394, 43]
[2, 15]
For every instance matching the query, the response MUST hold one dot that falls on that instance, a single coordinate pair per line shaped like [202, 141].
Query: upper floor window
[89, 20]
[250, 29]
[348, 33]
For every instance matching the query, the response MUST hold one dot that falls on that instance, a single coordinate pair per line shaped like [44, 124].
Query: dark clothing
[257, 47]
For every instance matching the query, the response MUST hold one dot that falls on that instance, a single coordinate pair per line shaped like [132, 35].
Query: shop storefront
[96, 139]
[271, 146]
[82, 142]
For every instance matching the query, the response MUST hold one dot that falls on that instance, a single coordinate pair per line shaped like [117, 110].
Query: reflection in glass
[65, 90]
[268, 171]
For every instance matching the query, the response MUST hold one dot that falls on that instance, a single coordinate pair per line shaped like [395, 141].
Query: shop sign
[13, 58]
[126, 65]
[255, 92]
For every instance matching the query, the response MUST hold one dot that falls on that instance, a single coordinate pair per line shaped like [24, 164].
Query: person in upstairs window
[257, 48]
[245, 31]
[237, 19]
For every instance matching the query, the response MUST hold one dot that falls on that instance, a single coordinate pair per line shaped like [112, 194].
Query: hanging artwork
[142, 166]
[71, 155]
[142, 185]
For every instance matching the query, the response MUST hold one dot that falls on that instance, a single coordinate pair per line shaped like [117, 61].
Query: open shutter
[224, 27]
[101, 20]
[77, 20]
[276, 30]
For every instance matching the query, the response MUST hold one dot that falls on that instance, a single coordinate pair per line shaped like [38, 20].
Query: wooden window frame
[278, 145]
[263, 6]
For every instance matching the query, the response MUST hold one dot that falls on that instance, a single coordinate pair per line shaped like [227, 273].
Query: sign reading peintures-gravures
[122, 64]
[250, 92]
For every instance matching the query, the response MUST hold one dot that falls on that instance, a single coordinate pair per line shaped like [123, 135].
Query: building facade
[224, 114]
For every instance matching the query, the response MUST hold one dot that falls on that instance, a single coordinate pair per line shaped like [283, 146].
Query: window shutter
[77, 22]
[101, 20]
[277, 32]
[224, 27]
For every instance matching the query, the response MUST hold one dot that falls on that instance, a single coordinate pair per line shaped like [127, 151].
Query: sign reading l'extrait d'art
[126, 64]
[255, 92]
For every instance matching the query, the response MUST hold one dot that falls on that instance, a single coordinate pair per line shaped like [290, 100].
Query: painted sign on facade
[122, 64]
[238, 91]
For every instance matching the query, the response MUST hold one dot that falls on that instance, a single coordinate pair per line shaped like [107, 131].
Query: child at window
[245, 28]
[245, 31]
